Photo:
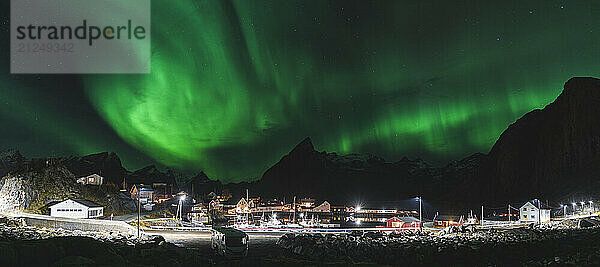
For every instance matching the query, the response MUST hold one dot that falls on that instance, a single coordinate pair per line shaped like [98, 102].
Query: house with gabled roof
[77, 208]
[531, 213]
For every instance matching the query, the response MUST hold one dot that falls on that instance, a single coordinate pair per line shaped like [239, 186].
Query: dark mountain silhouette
[105, 164]
[150, 174]
[342, 178]
[551, 152]
[200, 185]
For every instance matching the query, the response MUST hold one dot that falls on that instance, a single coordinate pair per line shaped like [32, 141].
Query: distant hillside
[107, 165]
[33, 191]
[307, 172]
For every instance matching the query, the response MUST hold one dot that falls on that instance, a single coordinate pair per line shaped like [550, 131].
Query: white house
[530, 213]
[77, 208]
[94, 179]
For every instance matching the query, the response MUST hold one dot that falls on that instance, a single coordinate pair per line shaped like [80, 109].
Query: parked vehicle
[229, 242]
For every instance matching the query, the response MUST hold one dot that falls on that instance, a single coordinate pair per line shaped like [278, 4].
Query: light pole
[564, 210]
[420, 213]
[539, 212]
[481, 221]
[139, 212]
[592, 208]
[294, 207]
[574, 207]
[181, 199]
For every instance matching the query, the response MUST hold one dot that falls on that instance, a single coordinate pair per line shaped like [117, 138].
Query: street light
[139, 213]
[180, 209]
[539, 211]
[420, 212]
[574, 207]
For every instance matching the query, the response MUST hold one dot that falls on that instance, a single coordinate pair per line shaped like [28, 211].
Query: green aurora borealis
[236, 84]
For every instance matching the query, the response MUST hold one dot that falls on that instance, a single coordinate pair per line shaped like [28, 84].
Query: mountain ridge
[531, 159]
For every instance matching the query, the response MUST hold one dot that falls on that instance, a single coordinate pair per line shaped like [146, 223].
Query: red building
[402, 222]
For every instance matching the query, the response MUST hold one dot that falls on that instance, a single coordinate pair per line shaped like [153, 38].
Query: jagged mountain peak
[304, 146]
[148, 169]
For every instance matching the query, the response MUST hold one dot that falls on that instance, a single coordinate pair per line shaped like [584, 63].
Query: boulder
[585, 223]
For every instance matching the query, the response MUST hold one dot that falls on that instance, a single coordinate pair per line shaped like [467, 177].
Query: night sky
[236, 84]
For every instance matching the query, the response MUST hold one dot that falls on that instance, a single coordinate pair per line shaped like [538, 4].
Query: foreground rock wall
[15, 194]
[491, 247]
[34, 190]
[78, 224]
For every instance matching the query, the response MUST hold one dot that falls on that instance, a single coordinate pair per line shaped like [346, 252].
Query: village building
[244, 206]
[273, 202]
[307, 202]
[377, 211]
[339, 210]
[77, 208]
[162, 190]
[447, 220]
[215, 205]
[93, 179]
[267, 209]
[144, 193]
[198, 214]
[402, 222]
[530, 213]
[325, 207]
[163, 184]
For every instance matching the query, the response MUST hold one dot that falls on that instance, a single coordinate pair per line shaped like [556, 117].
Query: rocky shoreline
[22, 245]
[559, 245]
